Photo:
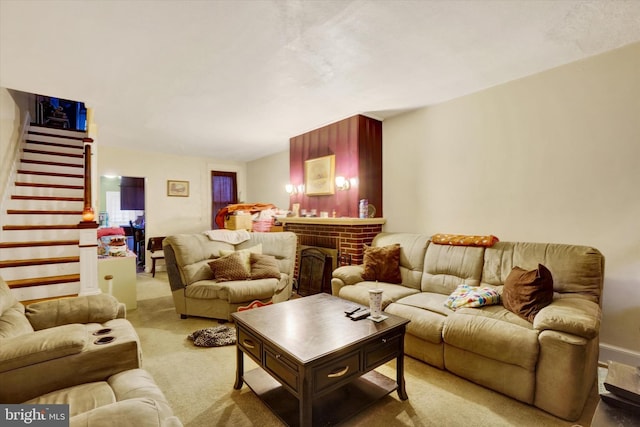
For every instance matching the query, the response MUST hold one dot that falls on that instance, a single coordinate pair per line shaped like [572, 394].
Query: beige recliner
[60, 343]
[197, 293]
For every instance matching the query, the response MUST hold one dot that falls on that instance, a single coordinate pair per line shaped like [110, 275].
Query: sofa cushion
[80, 398]
[446, 267]
[264, 267]
[233, 292]
[424, 324]
[526, 292]
[41, 346]
[413, 247]
[491, 335]
[230, 267]
[83, 309]
[360, 292]
[382, 263]
[427, 301]
[575, 269]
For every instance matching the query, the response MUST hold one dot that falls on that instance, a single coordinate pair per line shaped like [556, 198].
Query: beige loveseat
[127, 399]
[197, 293]
[54, 344]
[550, 363]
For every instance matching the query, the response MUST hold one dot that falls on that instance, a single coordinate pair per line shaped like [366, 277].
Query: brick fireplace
[346, 235]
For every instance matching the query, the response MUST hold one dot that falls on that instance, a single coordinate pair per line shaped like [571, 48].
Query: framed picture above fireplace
[319, 176]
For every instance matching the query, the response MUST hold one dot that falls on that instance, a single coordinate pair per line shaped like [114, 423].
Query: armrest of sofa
[85, 309]
[131, 412]
[571, 315]
[345, 276]
[40, 346]
[349, 274]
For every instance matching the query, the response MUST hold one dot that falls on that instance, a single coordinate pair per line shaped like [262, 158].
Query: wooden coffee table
[316, 364]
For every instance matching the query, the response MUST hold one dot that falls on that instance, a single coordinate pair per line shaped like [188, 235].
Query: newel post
[88, 237]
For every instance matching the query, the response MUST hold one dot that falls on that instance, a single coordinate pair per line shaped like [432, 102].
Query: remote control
[362, 314]
[351, 309]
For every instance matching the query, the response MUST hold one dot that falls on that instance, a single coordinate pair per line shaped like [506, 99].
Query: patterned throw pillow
[382, 263]
[244, 254]
[525, 293]
[264, 267]
[472, 296]
[229, 267]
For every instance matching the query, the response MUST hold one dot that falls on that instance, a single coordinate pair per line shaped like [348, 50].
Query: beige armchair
[197, 293]
[60, 343]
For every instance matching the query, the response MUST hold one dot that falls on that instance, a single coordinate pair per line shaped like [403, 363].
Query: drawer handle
[384, 340]
[248, 343]
[338, 372]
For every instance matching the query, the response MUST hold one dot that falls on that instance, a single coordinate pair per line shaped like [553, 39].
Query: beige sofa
[51, 345]
[550, 363]
[197, 293]
[127, 399]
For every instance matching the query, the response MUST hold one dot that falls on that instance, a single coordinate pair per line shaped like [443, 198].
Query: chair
[61, 343]
[155, 247]
[138, 241]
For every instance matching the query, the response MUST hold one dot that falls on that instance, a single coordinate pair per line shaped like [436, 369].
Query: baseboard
[618, 354]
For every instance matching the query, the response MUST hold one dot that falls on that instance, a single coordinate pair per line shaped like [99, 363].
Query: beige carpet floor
[198, 381]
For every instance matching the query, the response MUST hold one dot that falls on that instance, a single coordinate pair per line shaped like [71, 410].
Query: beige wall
[170, 215]
[266, 178]
[13, 109]
[552, 157]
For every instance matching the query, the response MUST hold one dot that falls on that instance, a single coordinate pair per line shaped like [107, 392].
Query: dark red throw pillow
[382, 264]
[525, 293]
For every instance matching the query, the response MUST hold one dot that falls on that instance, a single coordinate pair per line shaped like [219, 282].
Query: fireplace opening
[316, 265]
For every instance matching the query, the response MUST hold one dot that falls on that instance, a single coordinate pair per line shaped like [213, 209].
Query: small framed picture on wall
[319, 175]
[177, 188]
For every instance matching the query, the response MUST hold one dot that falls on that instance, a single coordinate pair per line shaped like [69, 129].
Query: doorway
[122, 204]
[224, 191]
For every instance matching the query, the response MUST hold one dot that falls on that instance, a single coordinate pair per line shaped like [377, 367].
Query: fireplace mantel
[331, 221]
[346, 235]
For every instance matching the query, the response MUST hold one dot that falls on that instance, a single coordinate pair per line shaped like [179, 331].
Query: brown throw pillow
[264, 267]
[382, 263]
[229, 267]
[527, 292]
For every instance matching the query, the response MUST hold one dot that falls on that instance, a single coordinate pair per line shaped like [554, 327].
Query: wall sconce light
[342, 183]
[294, 189]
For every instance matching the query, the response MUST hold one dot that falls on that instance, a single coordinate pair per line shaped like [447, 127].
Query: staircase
[39, 252]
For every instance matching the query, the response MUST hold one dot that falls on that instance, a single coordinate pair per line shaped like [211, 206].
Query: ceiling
[234, 80]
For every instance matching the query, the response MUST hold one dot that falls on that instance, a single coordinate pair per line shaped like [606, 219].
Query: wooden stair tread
[53, 153]
[41, 212]
[48, 163]
[46, 185]
[39, 281]
[61, 175]
[51, 198]
[80, 137]
[38, 261]
[28, 244]
[40, 227]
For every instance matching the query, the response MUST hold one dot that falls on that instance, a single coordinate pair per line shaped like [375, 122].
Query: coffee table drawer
[382, 350]
[282, 368]
[250, 344]
[337, 372]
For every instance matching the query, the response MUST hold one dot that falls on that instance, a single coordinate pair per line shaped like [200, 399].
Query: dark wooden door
[224, 191]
